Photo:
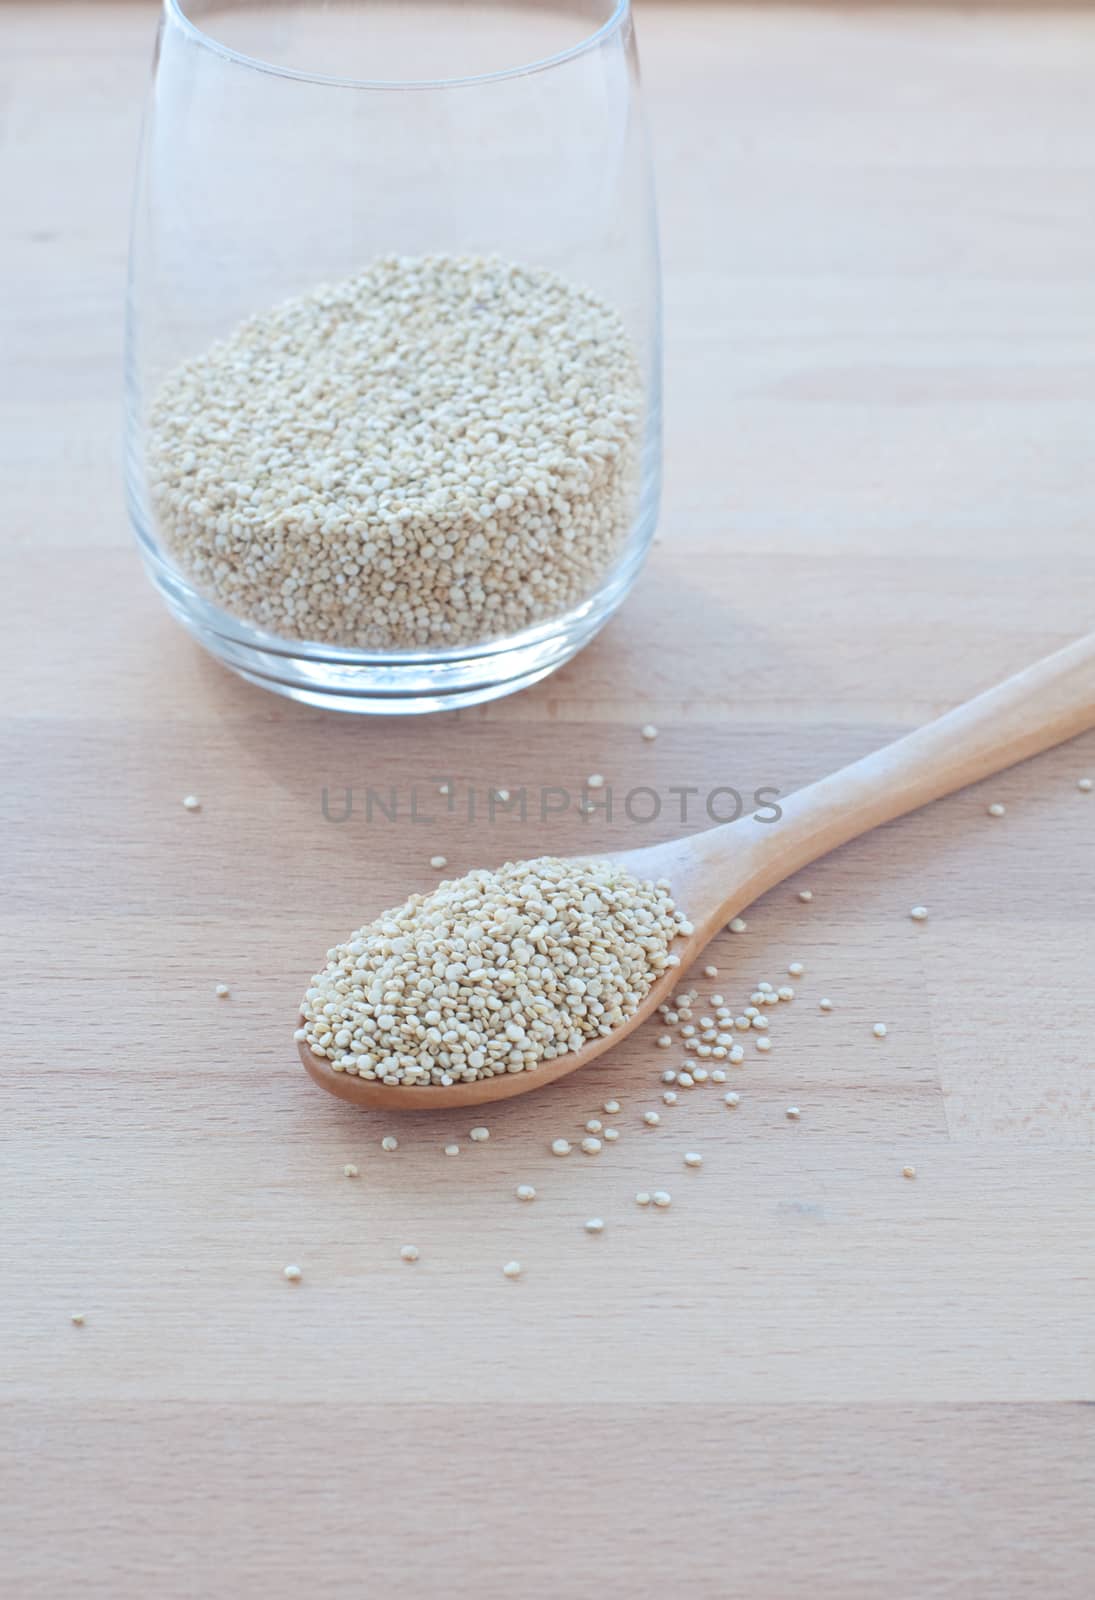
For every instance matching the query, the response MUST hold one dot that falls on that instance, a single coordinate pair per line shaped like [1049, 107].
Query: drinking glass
[304, 154]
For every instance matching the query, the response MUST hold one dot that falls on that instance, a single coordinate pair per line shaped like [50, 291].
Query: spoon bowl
[715, 875]
[697, 893]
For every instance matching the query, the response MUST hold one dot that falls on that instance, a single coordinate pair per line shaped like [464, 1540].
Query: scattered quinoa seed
[793, 1113]
[409, 1252]
[389, 1142]
[908, 1172]
[595, 1225]
[222, 991]
[77, 1319]
[662, 1198]
[649, 731]
[710, 972]
[996, 809]
[292, 1273]
[738, 925]
[480, 1135]
[806, 895]
[642, 1198]
[611, 1134]
[731, 1099]
[796, 969]
[611, 1106]
[764, 1043]
[525, 1191]
[560, 1147]
[512, 1269]
[349, 1170]
[1085, 785]
[191, 802]
[919, 913]
[452, 1149]
[591, 1146]
[651, 1118]
[439, 861]
[825, 1005]
[595, 781]
[879, 1030]
[693, 1159]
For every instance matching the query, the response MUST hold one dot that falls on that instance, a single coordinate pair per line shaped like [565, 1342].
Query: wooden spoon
[715, 875]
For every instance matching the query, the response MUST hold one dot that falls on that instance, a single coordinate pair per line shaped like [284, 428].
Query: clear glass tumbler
[394, 363]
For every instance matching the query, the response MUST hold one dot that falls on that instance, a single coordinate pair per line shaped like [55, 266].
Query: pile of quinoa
[439, 451]
[491, 973]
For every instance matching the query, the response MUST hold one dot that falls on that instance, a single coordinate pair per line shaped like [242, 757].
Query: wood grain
[860, 1499]
[810, 1375]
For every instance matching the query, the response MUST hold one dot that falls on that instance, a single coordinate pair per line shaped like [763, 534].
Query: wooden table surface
[811, 1376]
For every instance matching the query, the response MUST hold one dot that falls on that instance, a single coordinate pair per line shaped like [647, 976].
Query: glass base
[392, 684]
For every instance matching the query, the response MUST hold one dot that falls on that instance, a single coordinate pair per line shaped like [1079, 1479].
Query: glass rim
[176, 12]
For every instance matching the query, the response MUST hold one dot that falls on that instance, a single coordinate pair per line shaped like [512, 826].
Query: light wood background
[810, 1376]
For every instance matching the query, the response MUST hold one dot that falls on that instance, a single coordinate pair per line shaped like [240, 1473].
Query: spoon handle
[1045, 704]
